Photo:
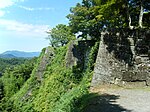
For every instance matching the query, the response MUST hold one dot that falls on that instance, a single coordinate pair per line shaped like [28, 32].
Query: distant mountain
[19, 54]
[7, 56]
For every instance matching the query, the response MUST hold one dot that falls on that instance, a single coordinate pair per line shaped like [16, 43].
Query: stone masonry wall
[118, 61]
[77, 54]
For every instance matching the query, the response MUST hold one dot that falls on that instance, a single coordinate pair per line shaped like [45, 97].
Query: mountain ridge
[7, 56]
[19, 54]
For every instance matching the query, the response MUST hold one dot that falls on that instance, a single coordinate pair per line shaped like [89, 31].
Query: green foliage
[13, 79]
[60, 90]
[65, 89]
[137, 10]
[5, 63]
[91, 17]
[93, 56]
[60, 35]
[83, 20]
[1, 89]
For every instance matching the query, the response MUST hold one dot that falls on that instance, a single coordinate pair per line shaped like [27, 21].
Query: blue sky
[23, 23]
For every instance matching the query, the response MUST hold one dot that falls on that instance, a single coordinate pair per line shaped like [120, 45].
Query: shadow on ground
[100, 103]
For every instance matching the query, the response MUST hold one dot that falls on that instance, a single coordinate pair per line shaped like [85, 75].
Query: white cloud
[36, 9]
[26, 8]
[25, 29]
[7, 3]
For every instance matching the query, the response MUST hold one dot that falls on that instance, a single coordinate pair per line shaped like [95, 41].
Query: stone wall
[77, 54]
[44, 61]
[121, 59]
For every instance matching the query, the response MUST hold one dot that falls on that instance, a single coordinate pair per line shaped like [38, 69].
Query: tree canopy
[91, 16]
[60, 35]
[14, 78]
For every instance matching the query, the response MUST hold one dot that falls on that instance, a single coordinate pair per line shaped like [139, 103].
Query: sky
[23, 23]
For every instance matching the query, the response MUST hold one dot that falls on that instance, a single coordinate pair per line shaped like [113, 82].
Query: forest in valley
[25, 86]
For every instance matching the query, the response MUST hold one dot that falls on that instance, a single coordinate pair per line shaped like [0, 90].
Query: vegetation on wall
[64, 89]
[59, 91]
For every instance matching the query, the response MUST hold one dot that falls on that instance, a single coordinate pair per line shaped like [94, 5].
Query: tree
[14, 77]
[4, 63]
[92, 16]
[60, 35]
[136, 10]
[83, 19]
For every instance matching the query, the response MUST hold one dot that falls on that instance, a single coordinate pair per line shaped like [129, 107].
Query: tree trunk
[130, 21]
[141, 15]
[128, 15]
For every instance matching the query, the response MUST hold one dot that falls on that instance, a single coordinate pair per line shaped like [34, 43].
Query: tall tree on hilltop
[91, 16]
[60, 35]
[83, 19]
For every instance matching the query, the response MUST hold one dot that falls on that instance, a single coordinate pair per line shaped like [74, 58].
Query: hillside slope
[52, 87]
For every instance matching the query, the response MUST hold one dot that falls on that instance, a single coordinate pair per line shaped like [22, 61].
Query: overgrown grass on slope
[58, 92]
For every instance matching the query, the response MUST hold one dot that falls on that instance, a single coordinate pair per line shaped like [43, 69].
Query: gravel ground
[131, 99]
[110, 99]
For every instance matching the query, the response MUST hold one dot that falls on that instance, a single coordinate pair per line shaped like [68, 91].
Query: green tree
[91, 16]
[14, 77]
[4, 63]
[136, 9]
[83, 20]
[60, 35]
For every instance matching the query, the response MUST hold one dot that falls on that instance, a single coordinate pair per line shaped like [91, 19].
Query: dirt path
[117, 99]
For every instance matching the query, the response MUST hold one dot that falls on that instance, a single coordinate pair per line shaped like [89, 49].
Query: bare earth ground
[117, 99]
